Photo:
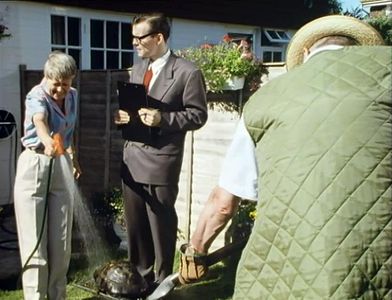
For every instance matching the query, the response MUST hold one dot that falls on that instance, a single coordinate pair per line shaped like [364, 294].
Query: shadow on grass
[218, 284]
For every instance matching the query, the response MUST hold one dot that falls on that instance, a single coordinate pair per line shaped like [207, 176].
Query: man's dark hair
[158, 23]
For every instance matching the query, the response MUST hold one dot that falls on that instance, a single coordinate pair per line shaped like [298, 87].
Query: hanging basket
[234, 83]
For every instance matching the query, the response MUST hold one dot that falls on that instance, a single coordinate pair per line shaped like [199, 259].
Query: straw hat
[311, 32]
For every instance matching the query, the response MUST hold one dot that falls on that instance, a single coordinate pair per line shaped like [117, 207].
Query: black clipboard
[132, 97]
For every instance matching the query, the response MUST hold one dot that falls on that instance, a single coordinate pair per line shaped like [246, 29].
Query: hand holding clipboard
[134, 100]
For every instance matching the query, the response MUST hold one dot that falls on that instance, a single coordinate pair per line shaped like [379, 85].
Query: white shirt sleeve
[239, 173]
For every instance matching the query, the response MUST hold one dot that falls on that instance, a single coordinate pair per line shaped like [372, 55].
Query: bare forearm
[219, 209]
[75, 162]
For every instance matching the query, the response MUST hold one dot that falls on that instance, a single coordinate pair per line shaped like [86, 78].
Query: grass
[217, 285]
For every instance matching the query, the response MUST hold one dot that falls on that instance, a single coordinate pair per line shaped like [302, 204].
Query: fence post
[188, 200]
[108, 83]
[23, 92]
[76, 132]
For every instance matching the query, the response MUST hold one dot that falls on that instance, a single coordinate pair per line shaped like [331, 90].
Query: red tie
[147, 78]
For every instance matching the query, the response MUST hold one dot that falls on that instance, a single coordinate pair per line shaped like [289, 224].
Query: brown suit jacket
[181, 89]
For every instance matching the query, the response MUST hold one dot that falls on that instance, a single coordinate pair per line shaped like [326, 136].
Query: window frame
[107, 50]
[66, 47]
[274, 45]
[280, 39]
[274, 50]
[238, 36]
[126, 53]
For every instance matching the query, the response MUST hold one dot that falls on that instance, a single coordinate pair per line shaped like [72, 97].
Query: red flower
[227, 38]
[205, 46]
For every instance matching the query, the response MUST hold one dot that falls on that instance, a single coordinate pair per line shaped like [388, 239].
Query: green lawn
[217, 285]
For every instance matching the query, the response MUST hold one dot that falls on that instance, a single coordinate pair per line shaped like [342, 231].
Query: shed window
[272, 56]
[273, 44]
[277, 36]
[66, 36]
[237, 37]
[110, 43]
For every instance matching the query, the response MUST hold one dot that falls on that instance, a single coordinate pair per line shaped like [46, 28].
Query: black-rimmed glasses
[138, 39]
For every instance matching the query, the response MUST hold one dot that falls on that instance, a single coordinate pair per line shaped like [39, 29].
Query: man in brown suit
[150, 171]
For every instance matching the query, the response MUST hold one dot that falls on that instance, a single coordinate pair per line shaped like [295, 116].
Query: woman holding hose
[43, 198]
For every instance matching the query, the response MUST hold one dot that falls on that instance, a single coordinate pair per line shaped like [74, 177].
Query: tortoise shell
[120, 279]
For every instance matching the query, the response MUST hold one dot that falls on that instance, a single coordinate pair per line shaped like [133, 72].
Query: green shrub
[383, 24]
[220, 62]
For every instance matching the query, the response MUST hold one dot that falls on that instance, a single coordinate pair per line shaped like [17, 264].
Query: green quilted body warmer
[323, 137]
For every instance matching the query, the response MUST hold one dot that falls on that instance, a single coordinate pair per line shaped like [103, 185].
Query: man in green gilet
[320, 145]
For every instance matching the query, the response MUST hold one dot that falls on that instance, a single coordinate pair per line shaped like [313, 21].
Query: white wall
[188, 33]
[10, 56]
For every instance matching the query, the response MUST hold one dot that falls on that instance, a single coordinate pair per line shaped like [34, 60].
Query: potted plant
[114, 201]
[224, 62]
[242, 222]
[241, 227]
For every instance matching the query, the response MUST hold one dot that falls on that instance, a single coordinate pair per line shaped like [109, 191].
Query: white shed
[97, 39]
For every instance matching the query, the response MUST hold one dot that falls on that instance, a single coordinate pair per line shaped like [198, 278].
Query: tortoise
[120, 279]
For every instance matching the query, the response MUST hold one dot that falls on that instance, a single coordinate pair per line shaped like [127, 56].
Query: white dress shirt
[157, 66]
[239, 172]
